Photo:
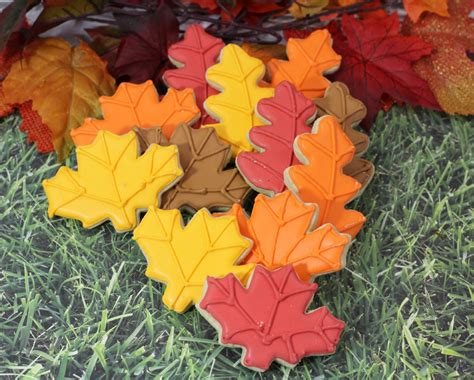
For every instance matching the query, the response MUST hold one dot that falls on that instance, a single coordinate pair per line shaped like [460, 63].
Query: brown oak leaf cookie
[349, 111]
[203, 157]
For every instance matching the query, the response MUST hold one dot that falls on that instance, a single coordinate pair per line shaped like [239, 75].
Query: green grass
[76, 302]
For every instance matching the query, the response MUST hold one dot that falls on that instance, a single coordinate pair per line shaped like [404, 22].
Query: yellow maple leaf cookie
[183, 257]
[237, 76]
[112, 181]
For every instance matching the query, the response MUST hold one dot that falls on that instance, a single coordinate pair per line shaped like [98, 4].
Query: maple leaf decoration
[217, 248]
[348, 111]
[112, 182]
[309, 58]
[142, 53]
[238, 76]
[282, 229]
[193, 56]
[448, 70]
[289, 113]
[415, 8]
[269, 319]
[205, 182]
[64, 84]
[377, 60]
[320, 180]
[138, 105]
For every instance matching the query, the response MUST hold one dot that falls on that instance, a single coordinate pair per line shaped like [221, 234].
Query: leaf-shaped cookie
[309, 58]
[135, 105]
[183, 257]
[193, 56]
[268, 319]
[321, 180]
[112, 182]
[237, 75]
[289, 113]
[63, 81]
[349, 111]
[282, 229]
[205, 182]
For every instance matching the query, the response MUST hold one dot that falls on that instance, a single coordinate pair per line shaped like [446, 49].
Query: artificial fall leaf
[37, 132]
[138, 105]
[203, 157]
[193, 56]
[348, 111]
[11, 18]
[377, 60]
[268, 319]
[321, 180]
[265, 52]
[216, 249]
[142, 54]
[448, 70]
[237, 75]
[304, 8]
[56, 12]
[64, 83]
[112, 181]
[415, 8]
[282, 229]
[289, 113]
[309, 58]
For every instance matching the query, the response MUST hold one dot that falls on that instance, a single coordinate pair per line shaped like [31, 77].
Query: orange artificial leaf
[415, 8]
[448, 69]
[282, 229]
[265, 52]
[309, 58]
[64, 83]
[325, 152]
[304, 8]
[138, 105]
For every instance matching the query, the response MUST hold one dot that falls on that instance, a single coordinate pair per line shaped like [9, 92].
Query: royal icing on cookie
[135, 105]
[183, 257]
[349, 111]
[289, 114]
[308, 59]
[205, 183]
[325, 152]
[237, 76]
[282, 229]
[193, 56]
[268, 319]
[112, 181]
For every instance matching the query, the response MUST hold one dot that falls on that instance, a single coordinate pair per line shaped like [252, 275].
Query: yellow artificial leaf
[237, 76]
[304, 8]
[112, 181]
[64, 83]
[183, 257]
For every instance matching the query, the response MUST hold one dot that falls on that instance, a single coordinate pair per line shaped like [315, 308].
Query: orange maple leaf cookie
[309, 58]
[138, 105]
[282, 229]
[324, 153]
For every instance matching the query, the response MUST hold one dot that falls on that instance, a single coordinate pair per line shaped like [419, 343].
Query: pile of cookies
[220, 135]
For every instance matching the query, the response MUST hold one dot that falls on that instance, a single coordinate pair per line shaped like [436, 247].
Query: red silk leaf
[193, 56]
[377, 60]
[269, 319]
[37, 131]
[290, 114]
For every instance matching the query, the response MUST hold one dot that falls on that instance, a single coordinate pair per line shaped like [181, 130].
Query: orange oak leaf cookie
[237, 76]
[349, 111]
[321, 180]
[282, 229]
[138, 105]
[268, 319]
[183, 257]
[205, 182]
[309, 58]
[112, 181]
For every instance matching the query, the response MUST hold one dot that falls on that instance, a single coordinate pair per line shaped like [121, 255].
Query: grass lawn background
[76, 303]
